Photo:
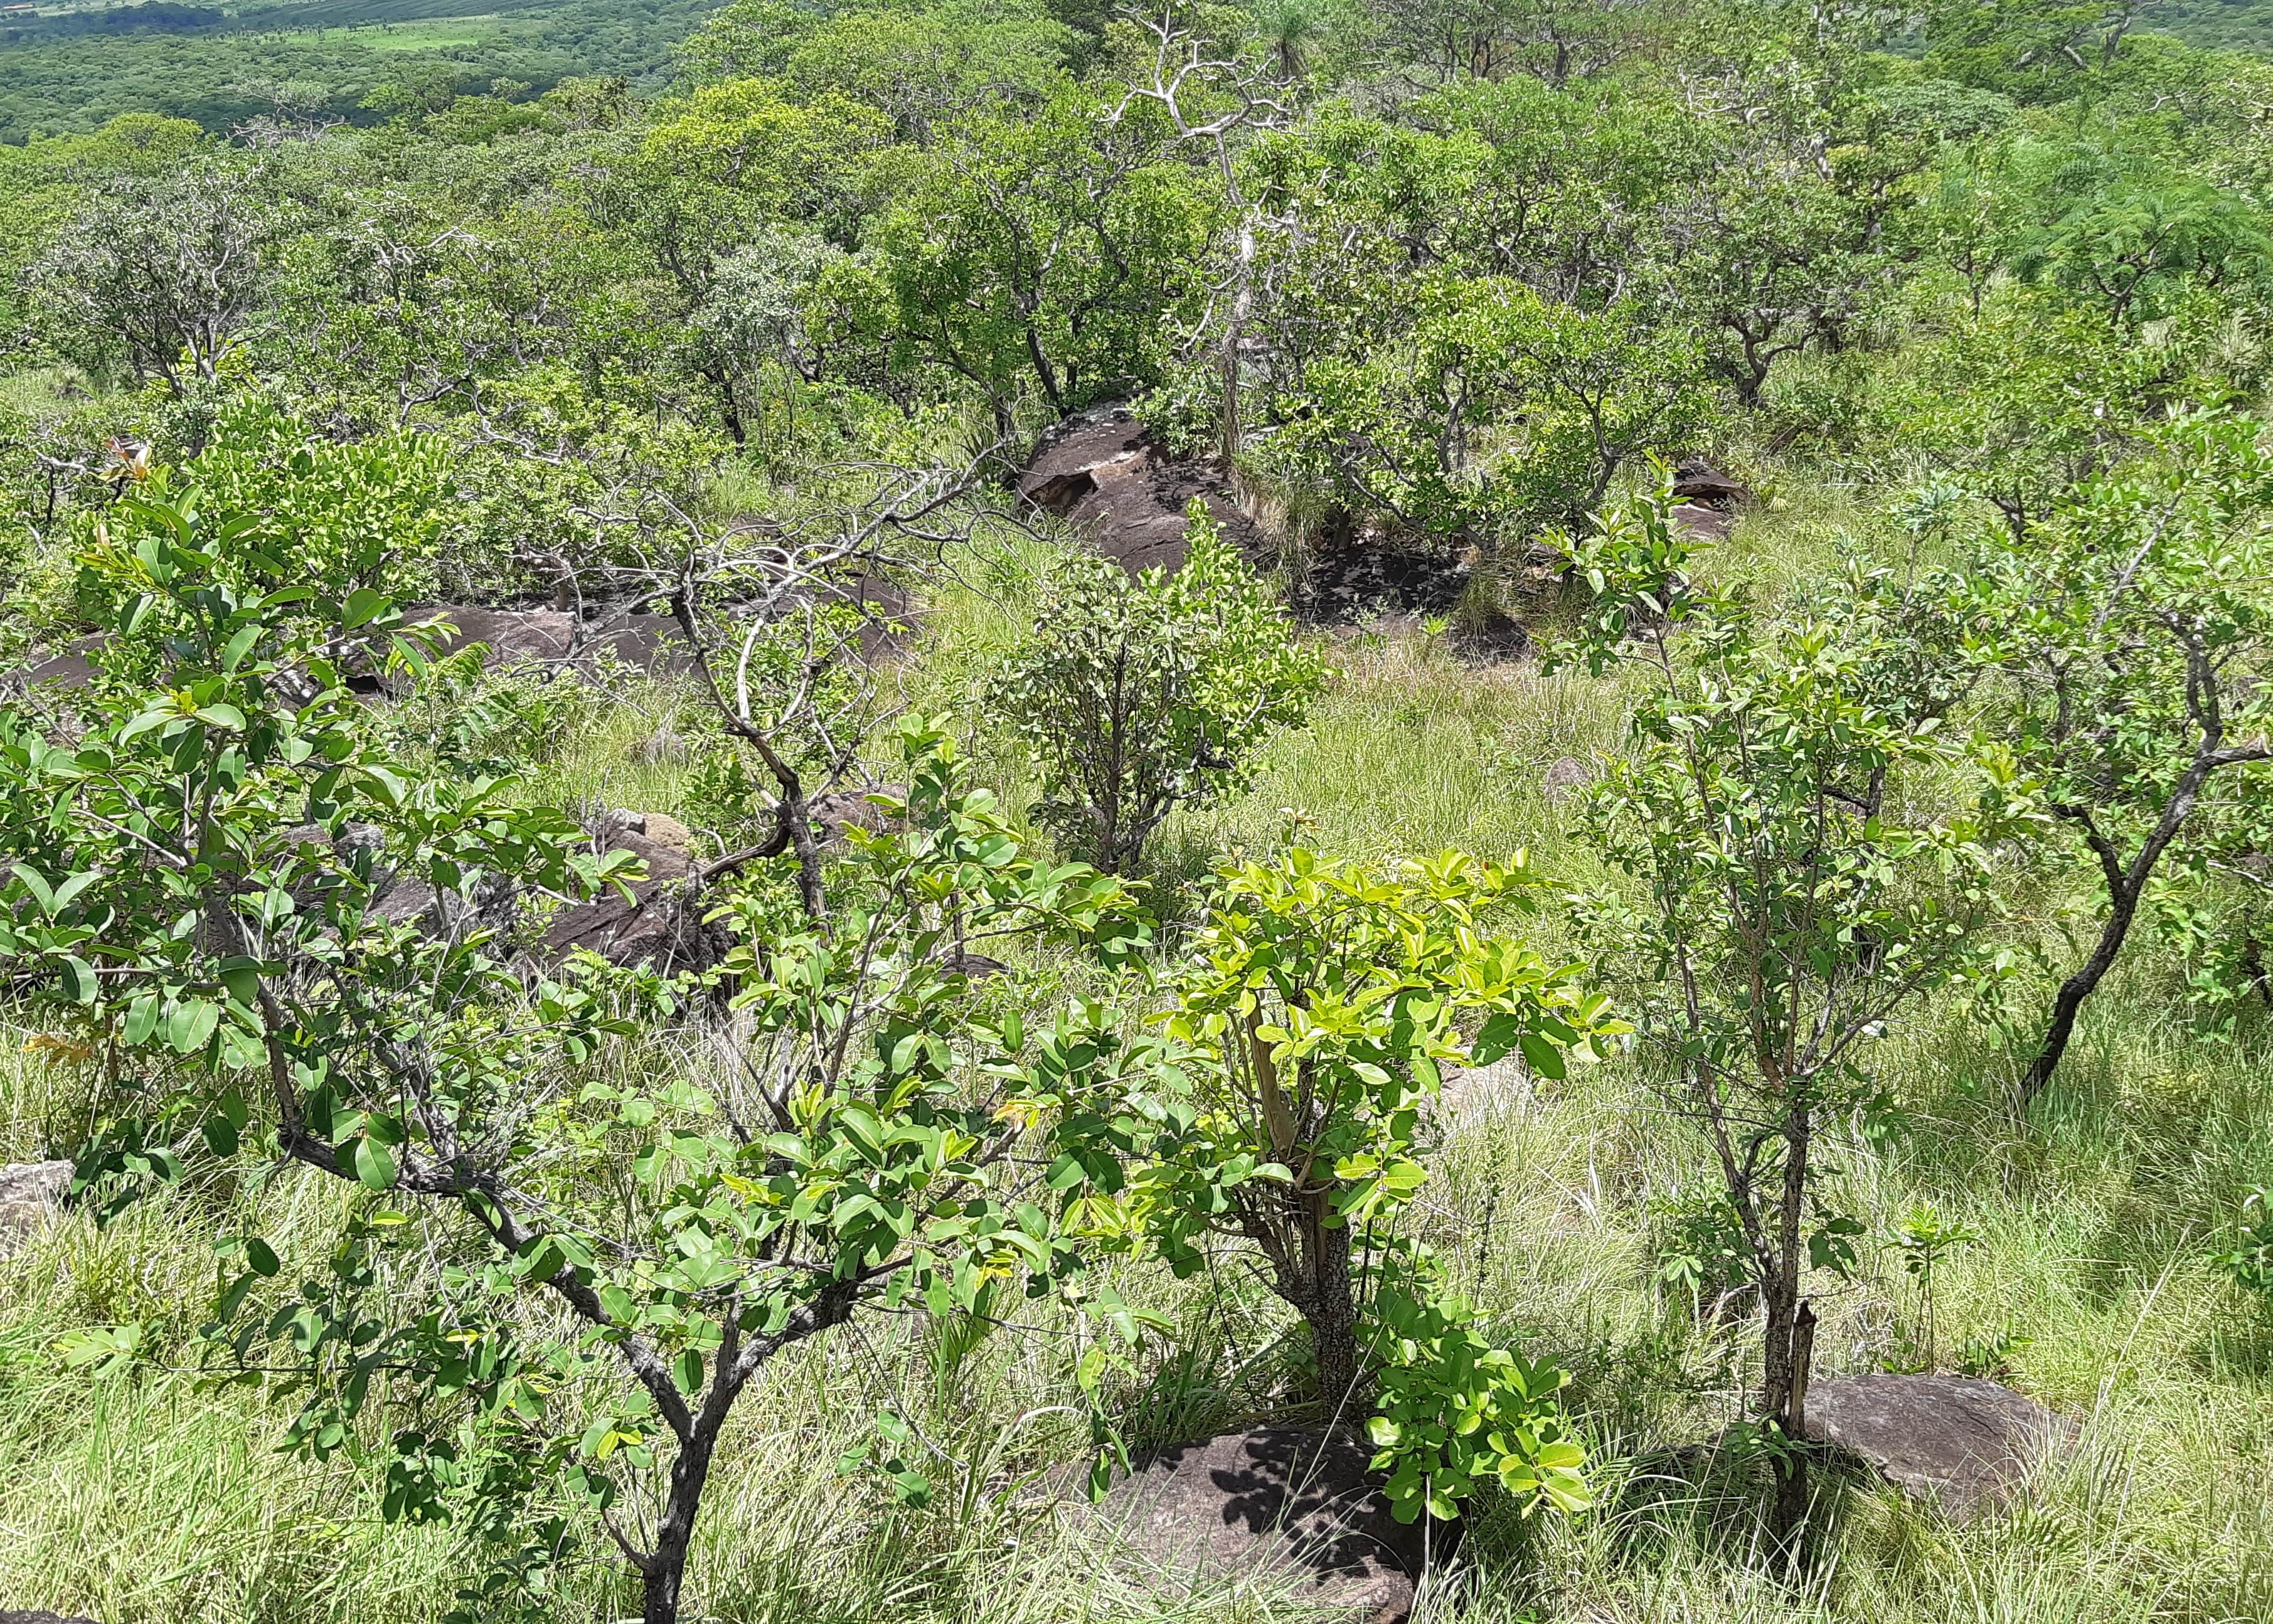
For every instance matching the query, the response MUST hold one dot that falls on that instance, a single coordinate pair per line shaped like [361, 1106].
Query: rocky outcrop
[1565, 778]
[1493, 635]
[1966, 1444]
[1298, 1505]
[1706, 486]
[67, 669]
[31, 1195]
[839, 810]
[556, 637]
[1708, 500]
[1471, 1093]
[1102, 471]
[659, 924]
[514, 636]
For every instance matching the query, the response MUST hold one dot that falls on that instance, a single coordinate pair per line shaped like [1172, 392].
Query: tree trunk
[2074, 991]
[1792, 1487]
[1332, 1308]
[1235, 332]
[1790, 1349]
[1779, 1285]
[729, 404]
[665, 1572]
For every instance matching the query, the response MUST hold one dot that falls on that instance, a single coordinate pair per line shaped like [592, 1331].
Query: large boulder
[65, 671]
[1964, 1443]
[1566, 778]
[1298, 1505]
[1708, 500]
[31, 1194]
[512, 636]
[660, 925]
[1102, 471]
[1706, 485]
[556, 637]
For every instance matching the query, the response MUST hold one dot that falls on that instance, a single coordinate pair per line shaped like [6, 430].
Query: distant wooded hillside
[66, 71]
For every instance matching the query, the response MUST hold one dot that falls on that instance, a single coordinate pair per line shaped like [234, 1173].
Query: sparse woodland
[750, 824]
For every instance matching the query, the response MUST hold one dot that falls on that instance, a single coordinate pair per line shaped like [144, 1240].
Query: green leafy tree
[2036, 50]
[1787, 902]
[1140, 696]
[190, 886]
[1052, 255]
[926, 65]
[163, 272]
[1310, 1027]
[2133, 635]
[2133, 247]
[2026, 402]
[1500, 410]
[734, 168]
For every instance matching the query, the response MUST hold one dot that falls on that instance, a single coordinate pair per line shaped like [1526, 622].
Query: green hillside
[73, 70]
[990, 812]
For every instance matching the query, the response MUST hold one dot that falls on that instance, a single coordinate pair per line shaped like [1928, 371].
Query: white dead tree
[1210, 101]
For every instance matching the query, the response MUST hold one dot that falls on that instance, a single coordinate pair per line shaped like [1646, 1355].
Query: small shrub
[1138, 697]
[2248, 1262]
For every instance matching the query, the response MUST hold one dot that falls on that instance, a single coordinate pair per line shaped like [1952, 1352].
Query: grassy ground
[148, 1497]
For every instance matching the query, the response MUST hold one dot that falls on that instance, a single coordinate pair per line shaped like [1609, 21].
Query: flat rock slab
[8, 1617]
[657, 925]
[1281, 1500]
[66, 670]
[45, 1182]
[555, 638]
[1962, 1442]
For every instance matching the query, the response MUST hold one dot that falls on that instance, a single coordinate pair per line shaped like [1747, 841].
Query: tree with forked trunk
[2135, 638]
[554, 1269]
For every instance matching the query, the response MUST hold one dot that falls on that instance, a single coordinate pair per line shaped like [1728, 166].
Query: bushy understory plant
[1138, 697]
[1308, 1031]
[554, 1274]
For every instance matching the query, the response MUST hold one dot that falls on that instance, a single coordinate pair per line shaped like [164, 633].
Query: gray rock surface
[555, 637]
[31, 1194]
[8, 1616]
[1471, 1092]
[1102, 471]
[1701, 482]
[66, 670]
[46, 1182]
[655, 927]
[1565, 777]
[1710, 524]
[660, 926]
[1299, 1504]
[839, 810]
[512, 636]
[1497, 635]
[1966, 1443]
